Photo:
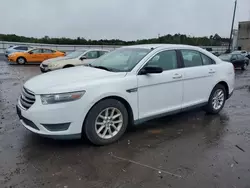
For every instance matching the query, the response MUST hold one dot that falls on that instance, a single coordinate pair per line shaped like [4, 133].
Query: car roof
[166, 46]
[97, 49]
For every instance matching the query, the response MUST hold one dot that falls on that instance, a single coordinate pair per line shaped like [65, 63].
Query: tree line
[213, 40]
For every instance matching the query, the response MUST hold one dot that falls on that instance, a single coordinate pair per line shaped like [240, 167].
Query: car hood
[67, 80]
[46, 62]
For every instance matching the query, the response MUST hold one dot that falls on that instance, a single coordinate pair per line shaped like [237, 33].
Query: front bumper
[11, 59]
[44, 68]
[58, 121]
[230, 94]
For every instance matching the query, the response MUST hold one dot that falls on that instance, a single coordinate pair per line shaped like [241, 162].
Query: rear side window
[21, 48]
[191, 58]
[207, 60]
[167, 60]
[47, 51]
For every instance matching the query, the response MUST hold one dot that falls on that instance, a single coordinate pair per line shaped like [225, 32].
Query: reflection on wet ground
[203, 150]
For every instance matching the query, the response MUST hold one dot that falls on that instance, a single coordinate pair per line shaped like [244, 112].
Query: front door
[198, 78]
[36, 55]
[163, 92]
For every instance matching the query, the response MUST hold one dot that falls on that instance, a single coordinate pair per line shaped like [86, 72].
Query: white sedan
[73, 59]
[125, 87]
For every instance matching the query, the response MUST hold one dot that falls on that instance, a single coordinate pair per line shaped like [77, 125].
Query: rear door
[199, 77]
[48, 54]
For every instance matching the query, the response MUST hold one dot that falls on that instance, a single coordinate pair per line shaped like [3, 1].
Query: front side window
[37, 51]
[167, 60]
[76, 54]
[102, 53]
[191, 58]
[207, 60]
[92, 55]
[122, 59]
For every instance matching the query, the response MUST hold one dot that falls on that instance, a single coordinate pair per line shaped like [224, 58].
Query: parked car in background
[34, 55]
[237, 59]
[13, 49]
[243, 52]
[125, 87]
[75, 58]
[216, 53]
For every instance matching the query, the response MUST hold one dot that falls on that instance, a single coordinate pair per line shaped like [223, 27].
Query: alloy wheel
[108, 123]
[218, 99]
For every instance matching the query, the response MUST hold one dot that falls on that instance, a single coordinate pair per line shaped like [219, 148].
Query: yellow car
[34, 55]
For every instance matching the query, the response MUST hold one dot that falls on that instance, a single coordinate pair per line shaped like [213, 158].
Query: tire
[244, 67]
[211, 107]
[21, 60]
[91, 129]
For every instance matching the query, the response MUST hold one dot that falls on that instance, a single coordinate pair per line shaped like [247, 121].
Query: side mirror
[83, 57]
[151, 70]
[30, 52]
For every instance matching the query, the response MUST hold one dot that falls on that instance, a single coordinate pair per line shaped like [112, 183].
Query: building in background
[244, 36]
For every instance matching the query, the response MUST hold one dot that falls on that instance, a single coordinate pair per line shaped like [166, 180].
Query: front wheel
[106, 122]
[217, 100]
[21, 60]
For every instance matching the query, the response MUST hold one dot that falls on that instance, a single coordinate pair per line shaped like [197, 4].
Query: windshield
[225, 57]
[121, 60]
[76, 54]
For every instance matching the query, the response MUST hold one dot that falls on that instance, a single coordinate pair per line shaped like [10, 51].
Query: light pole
[231, 33]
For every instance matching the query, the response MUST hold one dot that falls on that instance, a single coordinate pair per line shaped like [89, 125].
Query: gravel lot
[186, 150]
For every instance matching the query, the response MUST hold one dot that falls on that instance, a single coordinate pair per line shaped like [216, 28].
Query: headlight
[61, 97]
[52, 65]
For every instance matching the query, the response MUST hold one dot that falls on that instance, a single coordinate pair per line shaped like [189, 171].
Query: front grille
[44, 65]
[27, 98]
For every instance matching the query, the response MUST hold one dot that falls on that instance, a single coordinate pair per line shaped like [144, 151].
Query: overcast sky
[123, 19]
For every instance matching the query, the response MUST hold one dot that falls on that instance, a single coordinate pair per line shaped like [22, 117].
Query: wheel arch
[21, 57]
[120, 99]
[226, 87]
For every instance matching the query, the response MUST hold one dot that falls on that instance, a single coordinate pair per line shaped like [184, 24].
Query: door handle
[177, 76]
[211, 72]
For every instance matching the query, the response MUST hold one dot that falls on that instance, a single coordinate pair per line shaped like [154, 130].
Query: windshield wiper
[99, 67]
[102, 67]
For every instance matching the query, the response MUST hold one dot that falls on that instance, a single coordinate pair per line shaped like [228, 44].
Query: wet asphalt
[191, 149]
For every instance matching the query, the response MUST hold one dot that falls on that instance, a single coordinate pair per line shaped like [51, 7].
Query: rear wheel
[106, 122]
[21, 60]
[217, 100]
